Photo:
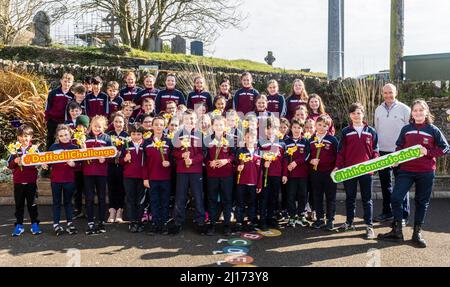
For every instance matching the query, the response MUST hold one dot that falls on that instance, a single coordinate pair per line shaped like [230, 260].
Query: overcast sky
[296, 31]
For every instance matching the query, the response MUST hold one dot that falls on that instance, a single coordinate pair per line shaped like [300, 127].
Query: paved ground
[295, 247]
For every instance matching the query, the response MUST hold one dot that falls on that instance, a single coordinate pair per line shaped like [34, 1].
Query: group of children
[259, 157]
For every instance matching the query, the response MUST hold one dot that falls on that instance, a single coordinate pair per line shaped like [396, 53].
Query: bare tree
[17, 15]
[140, 20]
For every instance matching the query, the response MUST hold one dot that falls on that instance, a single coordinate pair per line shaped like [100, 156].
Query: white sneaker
[119, 215]
[112, 215]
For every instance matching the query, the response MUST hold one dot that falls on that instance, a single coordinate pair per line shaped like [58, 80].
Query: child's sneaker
[330, 225]
[35, 230]
[370, 233]
[91, 229]
[302, 221]
[132, 227]
[238, 227]
[119, 215]
[345, 227]
[58, 229]
[101, 227]
[318, 224]
[226, 230]
[140, 227]
[71, 229]
[112, 215]
[18, 230]
[291, 223]
[164, 229]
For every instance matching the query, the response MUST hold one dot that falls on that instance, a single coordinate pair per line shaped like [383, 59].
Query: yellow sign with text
[60, 156]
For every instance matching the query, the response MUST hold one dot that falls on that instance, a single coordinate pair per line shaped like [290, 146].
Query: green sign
[379, 163]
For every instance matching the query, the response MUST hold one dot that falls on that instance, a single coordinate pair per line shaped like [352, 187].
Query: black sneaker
[175, 229]
[202, 229]
[71, 229]
[226, 230]
[164, 229]
[132, 227]
[263, 226]
[59, 230]
[101, 227]
[273, 223]
[211, 230]
[330, 225]
[91, 229]
[318, 224]
[77, 214]
[140, 227]
[250, 227]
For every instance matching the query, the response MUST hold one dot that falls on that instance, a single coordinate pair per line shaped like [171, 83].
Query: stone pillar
[335, 39]
[397, 39]
[41, 22]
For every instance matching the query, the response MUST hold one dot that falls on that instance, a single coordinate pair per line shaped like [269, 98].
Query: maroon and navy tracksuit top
[328, 153]
[244, 100]
[134, 168]
[167, 95]
[153, 169]
[62, 172]
[354, 149]
[292, 103]
[252, 172]
[97, 105]
[278, 148]
[82, 105]
[430, 137]
[23, 174]
[198, 97]
[300, 156]
[224, 152]
[55, 107]
[71, 124]
[276, 104]
[114, 105]
[314, 117]
[196, 150]
[145, 93]
[128, 93]
[228, 97]
[93, 167]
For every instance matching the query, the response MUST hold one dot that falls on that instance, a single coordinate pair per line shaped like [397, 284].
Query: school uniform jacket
[93, 167]
[327, 155]
[128, 93]
[291, 105]
[71, 124]
[277, 147]
[62, 172]
[276, 104]
[134, 168]
[196, 149]
[252, 172]
[197, 97]
[229, 99]
[165, 96]
[114, 105]
[97, 105]
[430, 137]
[153, 168]
[226, 152]
[244, 100]
[24, 174]
[354, 149]
[300, 157]
[55, 106]
[143, 94]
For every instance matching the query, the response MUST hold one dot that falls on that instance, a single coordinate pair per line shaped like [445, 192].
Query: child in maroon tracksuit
[132, 159]
[296, 175]
[249, 181]
[359, 143]
[272, 149]
[95, 175]
[24, 179]
[219, 169]
[157, 175]
[131, 90]
[199, 96]
[63, 181]
[97, 101]
[420, 171]
[55, 107]
[298, 97]
[244, 99]
[323, 148]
